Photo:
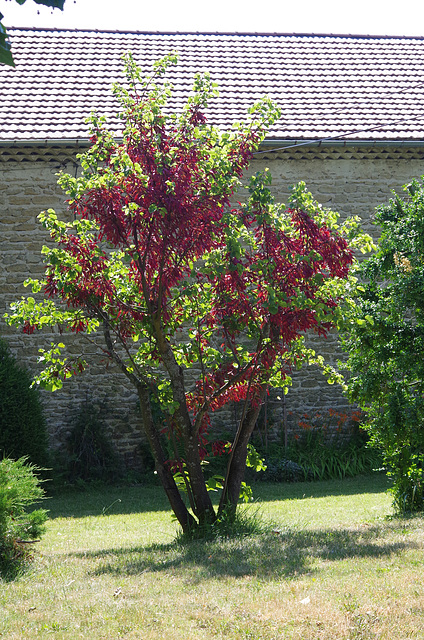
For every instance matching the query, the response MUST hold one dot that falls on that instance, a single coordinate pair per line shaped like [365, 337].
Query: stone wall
[347, 179]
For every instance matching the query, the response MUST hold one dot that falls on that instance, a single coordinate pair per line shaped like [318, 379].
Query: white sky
[372, 17]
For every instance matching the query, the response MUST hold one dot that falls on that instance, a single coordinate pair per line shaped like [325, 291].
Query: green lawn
[334, 567]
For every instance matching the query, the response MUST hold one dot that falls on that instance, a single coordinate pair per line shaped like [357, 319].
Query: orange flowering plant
[331, 445]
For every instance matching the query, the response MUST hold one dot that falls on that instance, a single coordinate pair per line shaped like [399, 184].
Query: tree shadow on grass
[286, 554]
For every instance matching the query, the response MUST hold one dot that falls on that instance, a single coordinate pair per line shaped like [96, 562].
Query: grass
[335, 567]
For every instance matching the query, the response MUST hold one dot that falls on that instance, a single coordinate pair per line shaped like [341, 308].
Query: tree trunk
[237, 463]
[180, 510]
[204, 510]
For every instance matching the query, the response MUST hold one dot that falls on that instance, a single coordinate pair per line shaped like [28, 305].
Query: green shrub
[399, 431]
[19, 488]
[280, 469]
[22, 425]
[383, 335]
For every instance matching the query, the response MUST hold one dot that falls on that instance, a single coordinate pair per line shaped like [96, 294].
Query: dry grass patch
[333, 568]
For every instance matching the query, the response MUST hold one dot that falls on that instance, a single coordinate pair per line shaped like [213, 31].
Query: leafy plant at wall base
[22, 426]
[329, 461]
[199, 303]
[19, 488]
[91, 456]
[324, 447]
[384, 337]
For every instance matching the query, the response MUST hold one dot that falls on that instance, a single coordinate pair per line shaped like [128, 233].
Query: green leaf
[215, 483]
[5, 48]
[254, 460]
[246, 493]
[52, 384]
[54, 4]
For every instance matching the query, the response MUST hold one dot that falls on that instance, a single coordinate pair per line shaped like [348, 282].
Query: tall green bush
[384, 337]
[22, 424]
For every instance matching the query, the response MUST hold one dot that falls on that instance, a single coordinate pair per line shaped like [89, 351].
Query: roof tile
[326, 86]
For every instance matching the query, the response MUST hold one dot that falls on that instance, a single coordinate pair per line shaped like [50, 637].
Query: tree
[5, 47]
[384, 338]
[199, 303]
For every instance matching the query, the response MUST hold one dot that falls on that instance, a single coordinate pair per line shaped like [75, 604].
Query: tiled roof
[326, 85]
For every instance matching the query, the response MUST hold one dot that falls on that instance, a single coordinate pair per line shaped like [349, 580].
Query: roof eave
[291, 143]
[45, 142]
[269, 143]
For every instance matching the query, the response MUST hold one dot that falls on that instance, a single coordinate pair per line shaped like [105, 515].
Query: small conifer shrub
[19, 488]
